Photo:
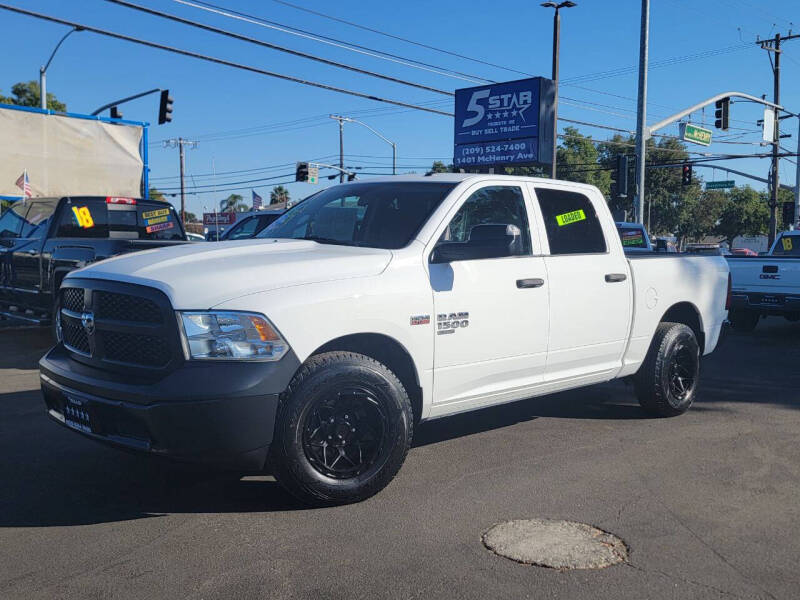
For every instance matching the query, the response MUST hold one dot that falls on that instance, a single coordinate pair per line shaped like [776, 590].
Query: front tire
[343, 429]
[666, 382]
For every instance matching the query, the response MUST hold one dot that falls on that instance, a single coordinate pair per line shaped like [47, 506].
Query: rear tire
[666, 382]
[342, 431]
[743, 320]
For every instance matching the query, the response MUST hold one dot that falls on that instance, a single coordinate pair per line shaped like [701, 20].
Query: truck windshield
[787, 245]
[376, 215]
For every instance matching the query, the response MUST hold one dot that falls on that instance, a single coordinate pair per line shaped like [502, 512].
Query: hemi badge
[421, 320]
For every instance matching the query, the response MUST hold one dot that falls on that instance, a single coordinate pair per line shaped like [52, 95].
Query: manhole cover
[555, 544]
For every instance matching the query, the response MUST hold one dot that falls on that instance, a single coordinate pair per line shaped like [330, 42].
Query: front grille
[72, 299]
[124, 307]
[118, 326]
[148, 350]
[75, 336]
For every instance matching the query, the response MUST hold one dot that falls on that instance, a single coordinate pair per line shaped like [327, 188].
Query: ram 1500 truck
[43, 239]
[371, 306]
[766, 285]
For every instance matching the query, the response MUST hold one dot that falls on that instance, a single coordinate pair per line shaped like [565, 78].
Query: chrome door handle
[616, 277]
[530, 283]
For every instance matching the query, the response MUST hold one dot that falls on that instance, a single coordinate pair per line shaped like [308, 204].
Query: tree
[278, 195]
[191, 217]
[744, 213]
[233, 203]
[578, 161]
[29, 94]
[439, 167]
[155, 194]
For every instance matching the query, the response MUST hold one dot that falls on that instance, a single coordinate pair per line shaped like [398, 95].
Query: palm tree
[278, 194]
[233, 203]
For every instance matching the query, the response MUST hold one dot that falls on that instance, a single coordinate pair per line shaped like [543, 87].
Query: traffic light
[622, 175]
[686, 175]
[351, 177]
[301, 173]
[721, 112]
[165, 108]
[788, 213]
[116, 113]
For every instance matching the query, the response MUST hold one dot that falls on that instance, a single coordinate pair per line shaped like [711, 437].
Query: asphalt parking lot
[708, 502]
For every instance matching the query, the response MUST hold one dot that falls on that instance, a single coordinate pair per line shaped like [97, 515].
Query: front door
[490, 298]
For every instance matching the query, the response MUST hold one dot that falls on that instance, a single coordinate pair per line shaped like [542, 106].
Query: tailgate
[765, 274]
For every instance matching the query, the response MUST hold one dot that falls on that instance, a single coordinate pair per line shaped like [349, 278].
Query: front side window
[492, 223]
[571, 223]
[12, 220]
[37, 219]
[376, 215]
[244, 230]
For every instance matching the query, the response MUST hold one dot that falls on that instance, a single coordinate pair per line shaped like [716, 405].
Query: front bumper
[221, 414]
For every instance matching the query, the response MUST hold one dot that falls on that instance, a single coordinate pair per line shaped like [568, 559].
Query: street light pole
[642, 133]
[342, 120]
[556, 52]
[43, 70]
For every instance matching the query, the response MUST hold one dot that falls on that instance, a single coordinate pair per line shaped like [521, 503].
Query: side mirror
[492, 240]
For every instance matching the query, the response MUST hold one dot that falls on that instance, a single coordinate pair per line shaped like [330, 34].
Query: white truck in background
[367, 308]
[766, 285]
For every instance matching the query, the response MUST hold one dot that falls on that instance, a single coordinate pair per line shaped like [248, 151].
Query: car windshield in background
[632, 237]
[787, 245]
[377, 215]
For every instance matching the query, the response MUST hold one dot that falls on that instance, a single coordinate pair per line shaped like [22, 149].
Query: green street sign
[313, 174]
[720, 185]
[695, 134]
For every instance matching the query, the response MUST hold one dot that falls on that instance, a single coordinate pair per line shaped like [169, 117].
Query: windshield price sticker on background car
[787, 244]
[83, 216]
[156, 220]
[155, 213]
[160, 227]
[570, 217]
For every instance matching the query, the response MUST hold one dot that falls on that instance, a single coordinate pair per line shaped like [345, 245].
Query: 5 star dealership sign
[507, 123]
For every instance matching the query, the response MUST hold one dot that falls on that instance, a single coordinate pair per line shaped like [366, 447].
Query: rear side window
[83, 218]
[571, 223]
[787, 245]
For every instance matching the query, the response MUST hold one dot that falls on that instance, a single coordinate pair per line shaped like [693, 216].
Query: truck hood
[204, 274]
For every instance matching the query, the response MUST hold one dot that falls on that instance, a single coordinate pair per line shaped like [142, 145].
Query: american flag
[257, 201]
[24, 184]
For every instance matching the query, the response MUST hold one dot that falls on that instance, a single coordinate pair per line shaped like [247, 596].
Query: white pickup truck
[766, 285]
[369, 307]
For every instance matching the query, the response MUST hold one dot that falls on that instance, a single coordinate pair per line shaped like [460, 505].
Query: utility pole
[181, 143]
[641, 112]
[556, 51]
[770, 46]
[341, 150]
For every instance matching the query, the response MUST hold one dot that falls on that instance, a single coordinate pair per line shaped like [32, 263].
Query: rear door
[491, 307]
[589, 284]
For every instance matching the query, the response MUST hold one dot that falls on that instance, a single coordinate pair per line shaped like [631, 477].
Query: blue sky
[245, 121]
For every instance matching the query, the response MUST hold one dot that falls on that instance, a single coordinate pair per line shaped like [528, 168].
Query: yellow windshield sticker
[570, 217]
[83, 216]
[155, 213]
[157, 220]
[787, 244]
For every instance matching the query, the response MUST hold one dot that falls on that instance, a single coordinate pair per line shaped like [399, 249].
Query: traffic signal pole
[774, 45]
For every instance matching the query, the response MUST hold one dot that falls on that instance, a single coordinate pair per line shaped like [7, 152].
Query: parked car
[314, 350]
[195, 237]
[251, 226]
[706, 249]
[766, 285]
[43, 239]
[743, 252]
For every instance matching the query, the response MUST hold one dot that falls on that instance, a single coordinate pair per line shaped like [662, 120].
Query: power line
[402, 39]
[219, 61]
[232, 14]
[264, 44]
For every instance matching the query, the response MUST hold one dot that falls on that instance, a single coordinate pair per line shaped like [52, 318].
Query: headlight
[220, 335]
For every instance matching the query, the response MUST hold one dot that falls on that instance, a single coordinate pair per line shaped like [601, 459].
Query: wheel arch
[388, 351]
[687, 313]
